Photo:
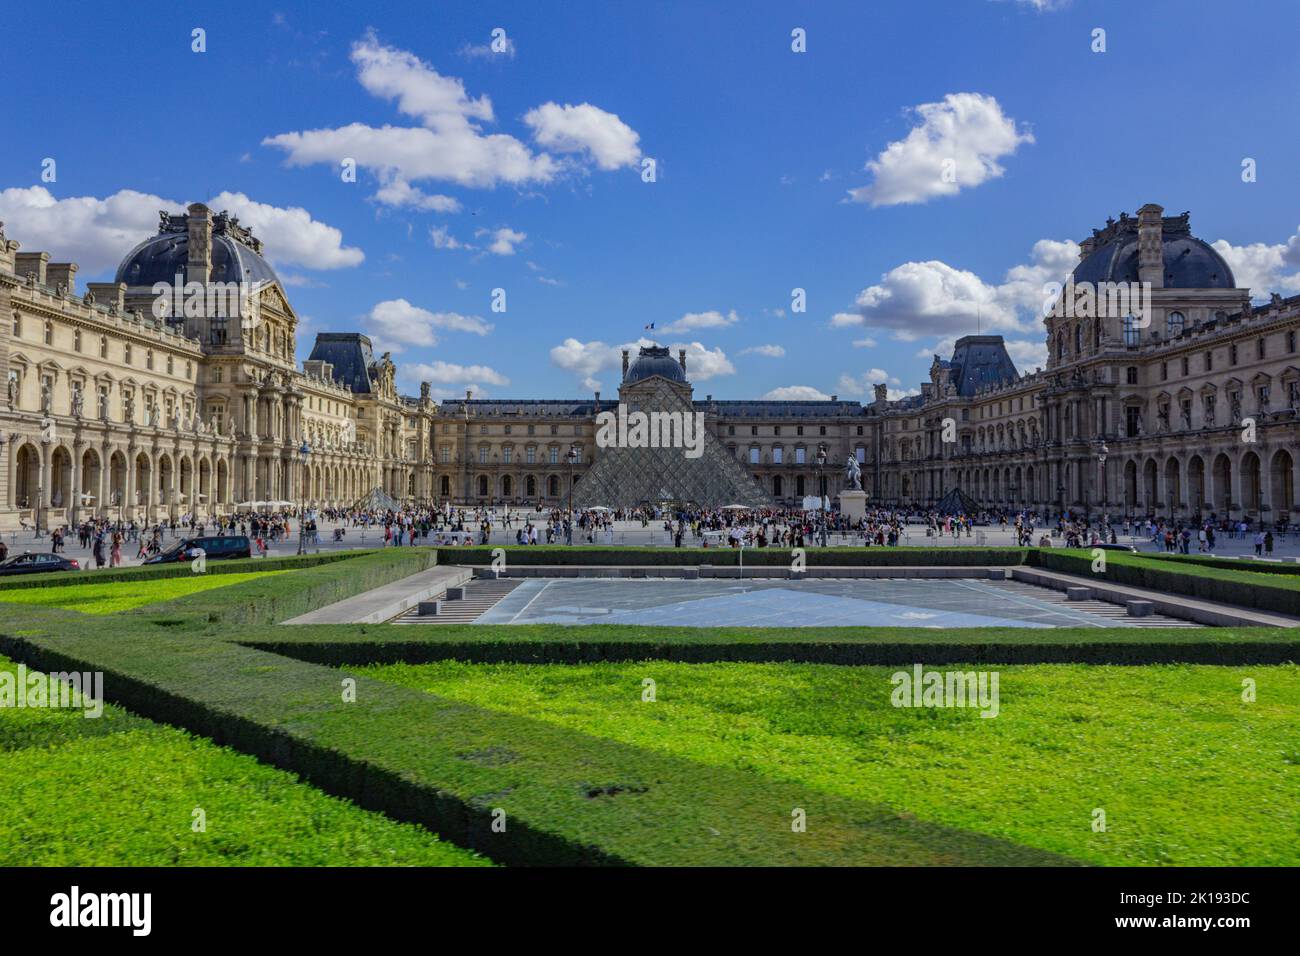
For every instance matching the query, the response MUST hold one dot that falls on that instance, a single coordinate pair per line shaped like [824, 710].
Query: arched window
[1131, 331]
[1175, 324]
[553, 486]
[446, 486]
[482, 486]
[530, 486]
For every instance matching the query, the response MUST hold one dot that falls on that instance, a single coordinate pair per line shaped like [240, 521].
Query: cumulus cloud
[796, 393]
[586, 360]
[448, 373]
[767, 351]
[585, 129]
[702, 320]
[397, 323]
[400, 194]
[450, 144]
[957, 145]
[933, 298]
[864, 343]
[502, 242]
[1262, 267]
[98, 233]
[291, 235]
[863, 386]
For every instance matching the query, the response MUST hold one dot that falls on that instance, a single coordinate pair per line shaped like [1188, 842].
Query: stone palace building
[113, 409]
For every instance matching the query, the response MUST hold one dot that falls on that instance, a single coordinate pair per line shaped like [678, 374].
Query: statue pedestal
[853, 504]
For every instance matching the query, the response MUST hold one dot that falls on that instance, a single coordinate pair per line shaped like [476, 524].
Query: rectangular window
[554, 456]
[753, 454]
[861, 454]
[507, 454]
[1209, 361]
[530, 455]
[1186, 365]
[444, 454]
[1232, 354]
[778, 455]
[1131, 418]
[799, 456]
[482, 455]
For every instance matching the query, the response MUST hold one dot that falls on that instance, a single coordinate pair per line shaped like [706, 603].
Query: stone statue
[103, 406]
[1163, 416]
[176, 420]
[45, 398]
[13, 392]
[1235, 410]
[153, 416]
[89, 298]
[78, 401]
[128, 407]
[853, 474]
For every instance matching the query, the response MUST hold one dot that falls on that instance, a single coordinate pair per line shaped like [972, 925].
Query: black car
[214, 547]
[38, 564]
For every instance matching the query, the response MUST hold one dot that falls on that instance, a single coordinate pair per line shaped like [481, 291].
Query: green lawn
[121, 790]
[1187, 773]
[111, 597]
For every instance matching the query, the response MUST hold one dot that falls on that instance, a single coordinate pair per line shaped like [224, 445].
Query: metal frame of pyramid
[957, 502]
[631, 477]
[377, 500]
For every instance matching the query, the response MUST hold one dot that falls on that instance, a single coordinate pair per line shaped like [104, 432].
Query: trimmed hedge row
[285, 596]
[729, 557]
[1240, 587]
[179, 569]
[343, 645]
[1226, 564]
[568, 798]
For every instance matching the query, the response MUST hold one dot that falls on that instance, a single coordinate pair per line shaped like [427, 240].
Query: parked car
[38, 564]
[214, 547]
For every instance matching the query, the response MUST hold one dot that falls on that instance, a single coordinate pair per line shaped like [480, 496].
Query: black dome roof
[1190, 263]
[654, 360]
[159, 258]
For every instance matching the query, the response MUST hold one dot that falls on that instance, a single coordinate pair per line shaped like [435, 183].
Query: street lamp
[304, 450]
[1102, 452]
[821, 463]
[572, 459]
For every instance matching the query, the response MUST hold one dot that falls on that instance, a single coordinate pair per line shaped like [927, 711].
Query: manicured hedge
[1245, 588]
[179, 569]
[589, 555]
[283, 596]
[568, 798]
[342, 645]
[1227, 564]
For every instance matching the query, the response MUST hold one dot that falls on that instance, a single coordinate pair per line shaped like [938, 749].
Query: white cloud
[957, 145]
[401, 194]
[1028, 355]
[585, 129]
[502, 241]
[450, 144]
[448, 373]
[291, 235]
[443, 239]
[586, 360]
[98, 233]
[933, 298]
[867, 343]
[767, 351]
[1262, 267]
[398, 323]
[702, 320]
[796, 393]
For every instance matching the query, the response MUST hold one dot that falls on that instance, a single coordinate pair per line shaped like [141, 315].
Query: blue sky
[523, 170]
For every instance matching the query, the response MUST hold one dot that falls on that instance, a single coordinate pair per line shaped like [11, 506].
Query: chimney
[424, 392]
[469, 393]
[1151, 252]
[25, 262]
[597, 400]
[681, 357]
[625, 363]
[63, 273]
[835, 398]
[198, 268]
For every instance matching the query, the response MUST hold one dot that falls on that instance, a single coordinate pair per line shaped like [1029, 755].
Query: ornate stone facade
[113, 409]
[1196, 409]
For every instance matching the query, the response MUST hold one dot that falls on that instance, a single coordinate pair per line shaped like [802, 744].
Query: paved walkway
[387, 602]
